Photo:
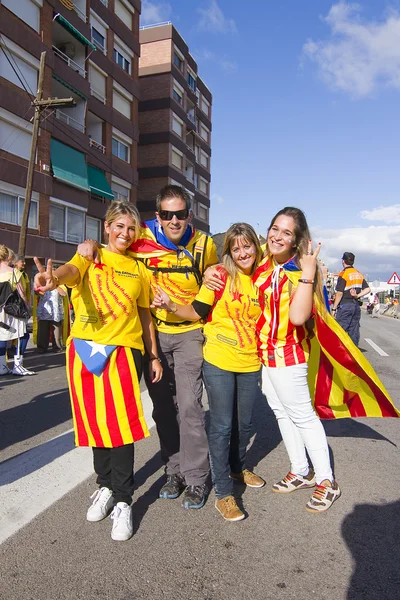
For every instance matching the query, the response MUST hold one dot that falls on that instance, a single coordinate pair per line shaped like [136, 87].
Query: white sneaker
[101, 505]
[4, 370]
[122, 528]
[20, 370]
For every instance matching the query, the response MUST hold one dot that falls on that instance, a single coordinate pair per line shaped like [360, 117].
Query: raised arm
[47, 279]
[302, 304]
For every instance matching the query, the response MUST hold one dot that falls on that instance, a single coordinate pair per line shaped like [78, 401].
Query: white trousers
[288, 395]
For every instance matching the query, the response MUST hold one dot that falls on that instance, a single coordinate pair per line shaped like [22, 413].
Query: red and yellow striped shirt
[280, 343]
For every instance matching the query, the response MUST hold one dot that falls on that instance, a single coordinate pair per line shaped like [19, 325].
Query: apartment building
[87, 154]
[174, 122]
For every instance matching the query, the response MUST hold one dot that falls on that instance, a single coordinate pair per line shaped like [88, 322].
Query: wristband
[171, 310]
[155, 358]
[306, 281]
[56, 280]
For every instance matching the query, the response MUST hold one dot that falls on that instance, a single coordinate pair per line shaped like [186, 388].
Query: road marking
[376, 347]
[32, 481]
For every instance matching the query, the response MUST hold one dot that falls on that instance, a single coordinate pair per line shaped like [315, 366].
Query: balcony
[189, 172]
[68, 120]
[80, 9]
[97, 146]
[71, 63]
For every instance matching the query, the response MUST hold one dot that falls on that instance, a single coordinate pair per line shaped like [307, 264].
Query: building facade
[86, 155]
[174, 122]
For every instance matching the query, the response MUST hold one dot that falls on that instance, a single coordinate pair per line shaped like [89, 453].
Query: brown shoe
[229, 509]
[248, 478]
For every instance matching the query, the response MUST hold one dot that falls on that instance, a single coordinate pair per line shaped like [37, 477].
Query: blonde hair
[245, 232]
[6, 254]
[120, 207]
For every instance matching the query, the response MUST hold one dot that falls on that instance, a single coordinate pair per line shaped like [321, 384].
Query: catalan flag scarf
[153, 240]
[342, 382]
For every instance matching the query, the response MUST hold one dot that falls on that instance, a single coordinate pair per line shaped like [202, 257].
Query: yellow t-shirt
[230, 331]
[106, 299]
[180, 286]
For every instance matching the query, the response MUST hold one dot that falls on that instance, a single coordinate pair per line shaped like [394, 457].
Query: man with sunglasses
[176, 256]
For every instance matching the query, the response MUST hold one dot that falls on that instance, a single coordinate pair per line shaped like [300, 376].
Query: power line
[4, 45]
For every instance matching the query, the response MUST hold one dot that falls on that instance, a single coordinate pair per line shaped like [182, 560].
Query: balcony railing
[98, 45]
[97, 145]
[80, 13]
[190, 148]
[62, 116]
[98, 95]
[71, 63]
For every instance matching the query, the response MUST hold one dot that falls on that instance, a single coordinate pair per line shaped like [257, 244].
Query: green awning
[69, 165]
[69, 86]
[98, 183]
[73, 31]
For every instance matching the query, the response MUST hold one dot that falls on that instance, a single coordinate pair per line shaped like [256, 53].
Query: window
[202, 211]
[11, 209]
[178, 62]
[205, 106]
[97, 82]
[124, 11]
[204, 159]
[66, 224]
[204, 132]
[27, 10]
[26, 65]
[93, 229]
[177, 125]
[15, 135]
[177, 96]
[98, 40]
[120, 150]
[122, 104]
[202, 185]
[123, 55]
[177, 158]
[191, 80]
[120, 191]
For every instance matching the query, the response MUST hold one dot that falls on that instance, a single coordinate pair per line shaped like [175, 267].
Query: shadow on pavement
[142, 504]
[372, 535]
[267, 434]
[40, 414]
[352, 428]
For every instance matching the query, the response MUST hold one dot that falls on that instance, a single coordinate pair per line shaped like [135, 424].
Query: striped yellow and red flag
[342, 381]
[107, 410]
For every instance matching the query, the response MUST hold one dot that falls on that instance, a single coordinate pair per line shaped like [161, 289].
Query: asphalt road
[279, 551]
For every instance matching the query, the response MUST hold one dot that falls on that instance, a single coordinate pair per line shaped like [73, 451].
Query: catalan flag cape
[105, 395]
[342, 382]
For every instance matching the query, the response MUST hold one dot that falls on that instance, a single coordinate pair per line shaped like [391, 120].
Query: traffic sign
[394, 279]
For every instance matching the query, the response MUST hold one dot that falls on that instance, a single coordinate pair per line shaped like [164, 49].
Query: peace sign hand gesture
[44, 281]
[308, 261]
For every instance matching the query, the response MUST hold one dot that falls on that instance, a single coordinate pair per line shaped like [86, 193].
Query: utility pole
[39, 105]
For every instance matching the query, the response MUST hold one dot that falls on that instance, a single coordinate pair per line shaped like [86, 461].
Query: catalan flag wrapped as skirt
[107, 410]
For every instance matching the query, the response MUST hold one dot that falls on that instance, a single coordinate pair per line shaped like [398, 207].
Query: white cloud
[360, 56]
[217, 199]
[377, 249]
[213, 19]
[387, 214]
[223, 62]
[153, 12]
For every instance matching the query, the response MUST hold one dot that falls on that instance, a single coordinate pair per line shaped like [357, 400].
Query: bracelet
[57, 279]
[155, 358]
[173, 311]
[306, 281]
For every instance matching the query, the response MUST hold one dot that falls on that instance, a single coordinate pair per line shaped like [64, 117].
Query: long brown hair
[247, 234]
[301, 237]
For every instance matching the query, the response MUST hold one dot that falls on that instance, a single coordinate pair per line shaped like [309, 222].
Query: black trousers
[114, 466]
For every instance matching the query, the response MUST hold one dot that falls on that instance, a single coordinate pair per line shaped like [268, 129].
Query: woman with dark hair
[231, 367]
[104, 360]
[289, 281]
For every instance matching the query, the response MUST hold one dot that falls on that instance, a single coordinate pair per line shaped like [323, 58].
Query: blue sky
[306, 112]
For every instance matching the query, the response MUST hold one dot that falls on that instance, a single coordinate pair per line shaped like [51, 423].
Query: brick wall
[153, 121]
[156, 86]
[149, 188]
[153, 155]
[155, 53]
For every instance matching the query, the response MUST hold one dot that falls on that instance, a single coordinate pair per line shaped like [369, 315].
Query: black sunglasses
[168, 215]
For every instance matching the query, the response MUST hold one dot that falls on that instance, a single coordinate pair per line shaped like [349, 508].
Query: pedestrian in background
[104, 360]
[350, 287]
[49, 319]
[231, 367]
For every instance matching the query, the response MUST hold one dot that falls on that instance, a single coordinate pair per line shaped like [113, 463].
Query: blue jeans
[231, 399]
[348, 316]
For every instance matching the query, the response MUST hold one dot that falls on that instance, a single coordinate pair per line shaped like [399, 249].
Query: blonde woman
[231, 367]
[11, 328]
[104, 360]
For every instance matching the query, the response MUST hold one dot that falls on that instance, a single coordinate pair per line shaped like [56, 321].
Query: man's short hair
[173, 191]
[348, 258]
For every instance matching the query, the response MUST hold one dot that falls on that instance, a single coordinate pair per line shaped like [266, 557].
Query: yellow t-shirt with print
[168, 272]
[106, 299]
[230, 331]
